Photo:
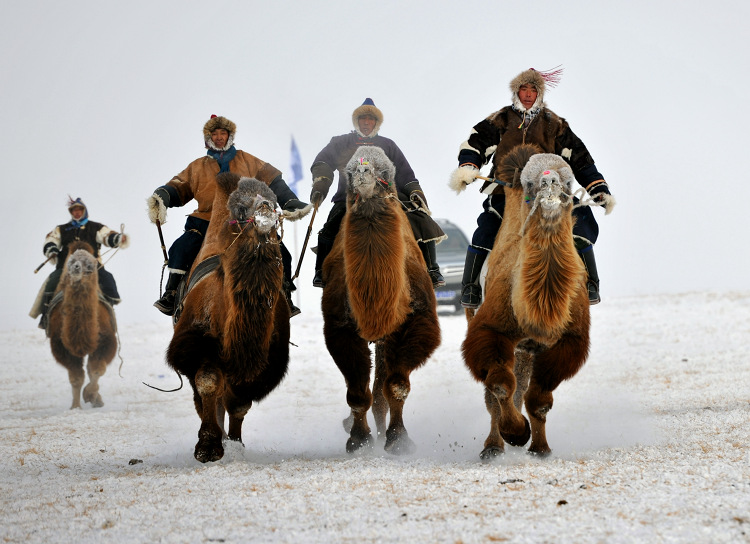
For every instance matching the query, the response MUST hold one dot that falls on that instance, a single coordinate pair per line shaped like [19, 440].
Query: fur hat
[367, 108]
[212, 124]
[78, 203]
[539, 80]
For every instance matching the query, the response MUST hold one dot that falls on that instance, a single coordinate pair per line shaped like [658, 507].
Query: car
[451, 256]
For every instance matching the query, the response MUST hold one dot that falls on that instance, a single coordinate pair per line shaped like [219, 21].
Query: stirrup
[471, 296]
[593, 290]
[318, 279]
[166, 303]
[437, 278]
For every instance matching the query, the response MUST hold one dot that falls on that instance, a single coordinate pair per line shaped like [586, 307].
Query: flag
[296, 165]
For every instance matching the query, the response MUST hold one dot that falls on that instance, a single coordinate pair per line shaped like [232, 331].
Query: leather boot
[592, 283]
[293, 310]
[430, 258]
[166, 304]
[324, 248]
[471, 292]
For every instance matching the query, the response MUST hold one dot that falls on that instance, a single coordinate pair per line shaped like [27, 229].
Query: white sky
[106, 101]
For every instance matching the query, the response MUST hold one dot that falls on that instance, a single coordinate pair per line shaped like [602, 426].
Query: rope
[582, 201]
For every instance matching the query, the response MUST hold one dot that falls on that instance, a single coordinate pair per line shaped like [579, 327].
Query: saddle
[202, 269]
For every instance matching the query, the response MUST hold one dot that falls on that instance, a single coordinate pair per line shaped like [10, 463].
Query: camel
[82, 323]
[232, 336]
[532, 331]
[377, 290]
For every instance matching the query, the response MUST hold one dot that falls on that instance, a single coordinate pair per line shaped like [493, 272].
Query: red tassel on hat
[213, 116]
[552, 76]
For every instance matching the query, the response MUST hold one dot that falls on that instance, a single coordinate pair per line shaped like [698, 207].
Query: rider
[367, 120]
[526, 120]
[198, 181]
[56, 250]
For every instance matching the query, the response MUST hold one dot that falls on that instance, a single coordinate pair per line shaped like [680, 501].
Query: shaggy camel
[232, 337]
[82, 323]
[535, 307]
[377, 290]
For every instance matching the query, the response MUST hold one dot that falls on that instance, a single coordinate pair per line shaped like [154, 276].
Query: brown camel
[232, 337]
[81, 323]
[377, 290]
[535, 315]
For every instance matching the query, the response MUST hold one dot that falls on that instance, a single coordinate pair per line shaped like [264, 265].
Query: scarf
[527, 116]
[223, 157]
[77, 224]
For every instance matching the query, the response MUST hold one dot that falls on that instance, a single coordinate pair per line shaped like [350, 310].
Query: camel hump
[515, 161]
[227, 182]
[371, 158]
[80, 244]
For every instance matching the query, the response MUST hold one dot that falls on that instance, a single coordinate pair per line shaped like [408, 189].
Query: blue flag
[296, 165]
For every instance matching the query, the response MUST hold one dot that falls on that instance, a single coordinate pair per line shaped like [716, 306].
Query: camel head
[547, 184]
[253, 202]
[370, 173]
[81, 263]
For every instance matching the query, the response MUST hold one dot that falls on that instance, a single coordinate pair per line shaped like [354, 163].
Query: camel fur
[377, 290]
[81, 324]
[532, 331]
[232, 338]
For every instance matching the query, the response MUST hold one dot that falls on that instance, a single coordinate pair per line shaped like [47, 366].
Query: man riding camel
[334, 157]
[56, 250]
[198, 181]
[526, 121]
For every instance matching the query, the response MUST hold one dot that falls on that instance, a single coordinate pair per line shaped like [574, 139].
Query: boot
[471, 292]
[46, 299]
[592, 282]
[324, 248]
[430, 257]
[166, 304]
[293, 310]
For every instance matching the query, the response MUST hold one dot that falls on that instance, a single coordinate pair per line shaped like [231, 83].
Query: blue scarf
[223, 158]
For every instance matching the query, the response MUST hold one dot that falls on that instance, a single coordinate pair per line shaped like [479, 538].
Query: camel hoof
[490, 453]
[208, 453]
[399, 443]
[355, 444]
[95, 399]
[518, 440]
[541, 454]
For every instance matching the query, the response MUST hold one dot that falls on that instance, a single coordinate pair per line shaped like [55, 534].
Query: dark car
[451, 255]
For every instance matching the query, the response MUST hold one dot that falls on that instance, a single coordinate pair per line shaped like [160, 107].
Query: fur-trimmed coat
[496, 135]
[93, 233]
[340, 149]
[198, 181]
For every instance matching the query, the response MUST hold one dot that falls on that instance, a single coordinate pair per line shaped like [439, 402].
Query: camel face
[251, 203]
[550, 192]
[80, 265]
[363, 179]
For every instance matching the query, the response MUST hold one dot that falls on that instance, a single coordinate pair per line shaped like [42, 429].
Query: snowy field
[651, 443]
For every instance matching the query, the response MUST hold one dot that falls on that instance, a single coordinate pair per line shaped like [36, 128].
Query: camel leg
[352, 356]
[209, 384]
[379, 405]
[96, 369]
[490, 357]
[551, 367]
[76, 377]
[237, 410]
[397, 440]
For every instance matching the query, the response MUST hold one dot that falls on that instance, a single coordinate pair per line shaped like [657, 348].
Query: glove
[416, 196]
[157, 206]
[115, 239]
[320, 190]
[294, 209]
[601, 195]
[462, 176]
[51, 251]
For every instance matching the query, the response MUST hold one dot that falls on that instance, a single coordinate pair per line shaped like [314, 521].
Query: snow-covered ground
[651, 444]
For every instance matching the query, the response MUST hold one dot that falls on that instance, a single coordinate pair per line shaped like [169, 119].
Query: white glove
[157, 211]
[463, 176]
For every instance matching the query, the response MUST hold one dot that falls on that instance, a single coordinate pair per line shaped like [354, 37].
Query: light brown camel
[81, 323]
[232, 337]
[536, 305]
[377, 290]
